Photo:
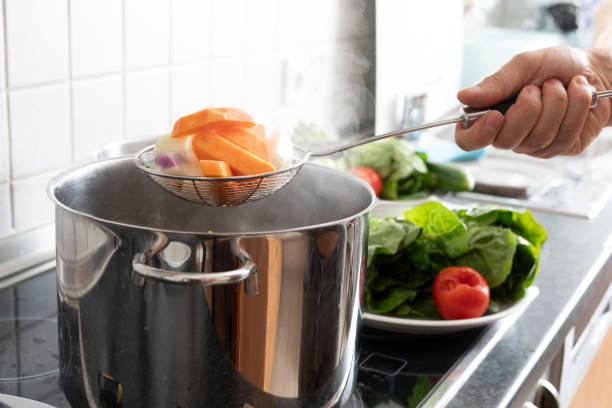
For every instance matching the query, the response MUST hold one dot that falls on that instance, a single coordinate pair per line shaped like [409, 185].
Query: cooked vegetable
[166, 160]
[406, 173]
[460, 292]
[371, 177]
[209, 145]
[185, 125]
[501, 244]
[214, 168]
[250, 137]
[176, 156]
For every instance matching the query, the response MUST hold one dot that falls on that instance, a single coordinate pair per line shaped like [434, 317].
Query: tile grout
[70, 87]
[170, 93]
[7, 112]
[123, 73]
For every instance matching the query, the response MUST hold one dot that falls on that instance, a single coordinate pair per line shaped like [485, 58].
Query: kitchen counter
[500, 365]
[503, 367]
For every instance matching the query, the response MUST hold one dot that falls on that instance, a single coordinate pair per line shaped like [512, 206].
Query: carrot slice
[209, 145]
[215, 168]
[186, 124]
[247, 139]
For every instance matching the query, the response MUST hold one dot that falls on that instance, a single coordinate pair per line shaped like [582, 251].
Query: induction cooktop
[394, 370]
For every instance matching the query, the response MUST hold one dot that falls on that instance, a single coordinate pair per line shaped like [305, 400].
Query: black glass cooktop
[395, 370]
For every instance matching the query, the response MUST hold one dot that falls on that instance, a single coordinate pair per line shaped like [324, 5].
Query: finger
[554, 106]
[579, 99]
[503, 84]
[521, 118]
[482, 132]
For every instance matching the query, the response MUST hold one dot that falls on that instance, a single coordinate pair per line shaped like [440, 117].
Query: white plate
[17, 402]
[395, 208]
[427, 326]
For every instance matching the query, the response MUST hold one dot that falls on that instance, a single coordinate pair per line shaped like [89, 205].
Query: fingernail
[534, 90]
[580, 80]
[492, 123]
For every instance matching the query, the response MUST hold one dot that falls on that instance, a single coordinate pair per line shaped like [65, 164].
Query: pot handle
[205, 279]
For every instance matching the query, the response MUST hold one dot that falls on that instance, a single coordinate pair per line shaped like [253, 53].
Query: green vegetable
[404, 255]
[389, 299]
[387, 237]
[406, 173]
[447, 177]
[491, 254]
[522, 223]
[440, 225]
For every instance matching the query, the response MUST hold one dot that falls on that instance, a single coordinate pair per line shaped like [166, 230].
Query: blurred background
[79, 74]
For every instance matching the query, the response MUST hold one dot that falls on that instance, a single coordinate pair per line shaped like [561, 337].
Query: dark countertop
[503, 367]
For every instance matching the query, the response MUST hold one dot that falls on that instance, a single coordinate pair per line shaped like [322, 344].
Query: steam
[352, 97]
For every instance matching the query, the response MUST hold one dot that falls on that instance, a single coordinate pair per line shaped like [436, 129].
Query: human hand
[551, 115]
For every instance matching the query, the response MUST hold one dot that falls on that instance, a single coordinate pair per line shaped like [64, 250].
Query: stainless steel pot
[165, 303]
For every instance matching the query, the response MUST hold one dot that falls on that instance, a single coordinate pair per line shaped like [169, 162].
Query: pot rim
[54, 182]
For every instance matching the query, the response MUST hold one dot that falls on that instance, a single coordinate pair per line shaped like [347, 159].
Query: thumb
[503, 84]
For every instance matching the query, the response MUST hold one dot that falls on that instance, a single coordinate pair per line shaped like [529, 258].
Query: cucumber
[447, 177]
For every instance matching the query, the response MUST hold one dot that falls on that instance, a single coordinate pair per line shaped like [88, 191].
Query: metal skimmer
[230, 191]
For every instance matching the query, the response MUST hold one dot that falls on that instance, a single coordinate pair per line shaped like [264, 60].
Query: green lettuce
[404, 255]
[522, 223]
[406, 174]
[440, 225]
[492, 252]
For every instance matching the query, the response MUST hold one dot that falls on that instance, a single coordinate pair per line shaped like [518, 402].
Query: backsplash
[78, 74]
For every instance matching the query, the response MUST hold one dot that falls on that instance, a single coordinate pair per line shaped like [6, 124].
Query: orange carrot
[209, 145]
[215, 168]
[183, 126]
[247, 139]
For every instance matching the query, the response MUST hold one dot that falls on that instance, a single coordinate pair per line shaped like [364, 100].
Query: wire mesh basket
[221, 191]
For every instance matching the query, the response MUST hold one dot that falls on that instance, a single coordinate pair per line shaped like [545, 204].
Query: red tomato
[459, 292]
[371, 176]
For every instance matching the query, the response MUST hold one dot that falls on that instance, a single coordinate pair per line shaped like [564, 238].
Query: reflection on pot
[83, 251]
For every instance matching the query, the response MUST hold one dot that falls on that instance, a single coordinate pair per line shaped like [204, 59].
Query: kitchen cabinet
[595, 389]
[587, 363]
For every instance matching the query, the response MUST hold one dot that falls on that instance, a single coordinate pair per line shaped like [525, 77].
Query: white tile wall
[97, 114]
[262, 85]
[4, 142]
[190, 30]
[146, 103]
[228, 27]
[96, 32]
[146, 33]
[5, 209]
[227, 85]
[40, 129]
[2, 51]
[260, 27]
[294, 28]
[190, 91]
[78, 74]
[31, 206]
[37, 41]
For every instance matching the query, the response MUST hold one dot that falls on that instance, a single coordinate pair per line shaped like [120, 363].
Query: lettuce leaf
[492, 252]
[440, 225]
[389, 299]
[392, 158]
[389, 236]
[522, 223]
[524, 270]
